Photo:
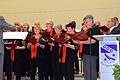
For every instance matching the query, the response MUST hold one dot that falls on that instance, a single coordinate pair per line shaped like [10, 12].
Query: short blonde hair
[17, 24]
[37, 25]
[26, 24]
[59, 26]
[49, 21]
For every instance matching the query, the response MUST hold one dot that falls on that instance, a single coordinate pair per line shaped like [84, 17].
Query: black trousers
[18, 64]
[76, 63]
[66, 71]
[41, 68]
[26, 62]
[48, 67]
[8, 65]
[55, 67]
[69, 70]
[61, 71]
[33, 66]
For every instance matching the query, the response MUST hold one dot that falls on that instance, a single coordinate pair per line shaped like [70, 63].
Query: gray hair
[59, 26]
[89, 17]
[49, 21]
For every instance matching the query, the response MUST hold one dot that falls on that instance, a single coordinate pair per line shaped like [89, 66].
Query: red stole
[80, 50]
[51, 34]
[33, 51]
[64, 55]
[12, 52]
[34, 48]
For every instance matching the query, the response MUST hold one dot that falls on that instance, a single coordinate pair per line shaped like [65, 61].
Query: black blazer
[116, 30]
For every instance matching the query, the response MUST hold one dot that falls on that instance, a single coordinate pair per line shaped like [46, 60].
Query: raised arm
[5, 25]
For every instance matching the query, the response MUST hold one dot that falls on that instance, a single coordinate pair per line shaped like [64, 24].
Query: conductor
[6, 26]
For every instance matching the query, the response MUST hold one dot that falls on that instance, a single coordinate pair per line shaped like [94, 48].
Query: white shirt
[112, 28]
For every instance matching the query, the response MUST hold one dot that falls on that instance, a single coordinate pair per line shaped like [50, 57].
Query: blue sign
[109, 53]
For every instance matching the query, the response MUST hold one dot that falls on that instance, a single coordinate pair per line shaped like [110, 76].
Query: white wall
[59, 10]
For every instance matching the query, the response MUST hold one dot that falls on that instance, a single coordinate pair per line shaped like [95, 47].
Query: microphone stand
[90, 57]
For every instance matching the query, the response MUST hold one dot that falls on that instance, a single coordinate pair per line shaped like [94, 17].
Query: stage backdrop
[60, 11]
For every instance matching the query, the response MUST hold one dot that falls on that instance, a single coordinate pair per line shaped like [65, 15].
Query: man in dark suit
[113, 25]
[117, 24]
[3, 25]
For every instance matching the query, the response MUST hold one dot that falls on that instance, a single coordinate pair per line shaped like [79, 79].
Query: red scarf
[51, 33]
[63, 55]
[12, 52]
[80, 50]
[34, 49]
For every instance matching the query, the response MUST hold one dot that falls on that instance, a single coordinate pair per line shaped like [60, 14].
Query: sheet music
[15, 35]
